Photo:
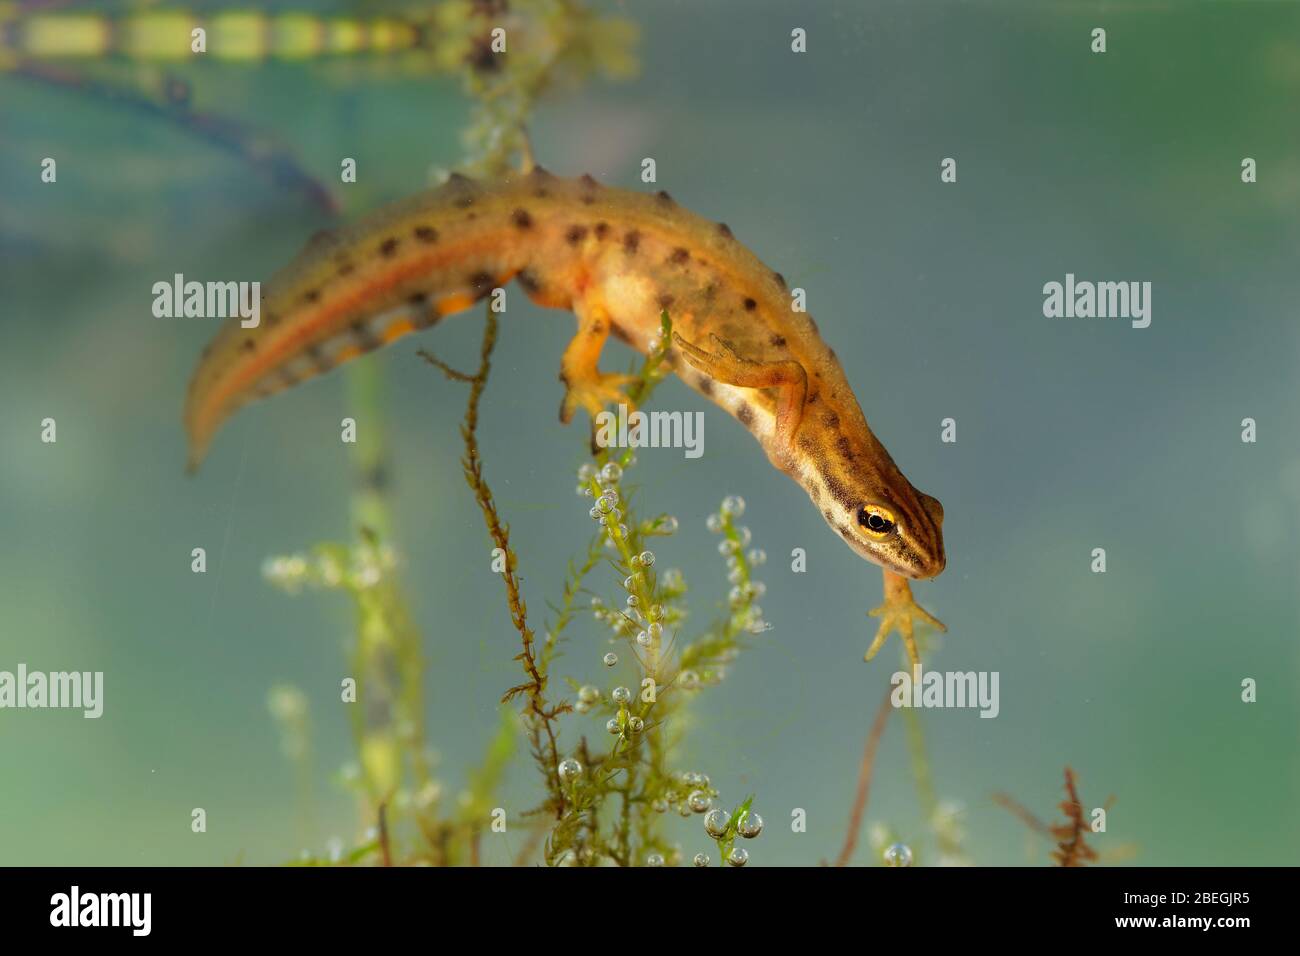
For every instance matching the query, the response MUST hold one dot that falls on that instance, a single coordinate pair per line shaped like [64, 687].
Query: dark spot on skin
[471, 217]
[311, 295]
[522, 220]
[631, 241]
[365, 339]
[588, 200]
[602, 230]
[843, 529]
[710, 292]
[750, 305]
[826, 513]
[346, 268]
[388, 246]
[830, 419]
[575, 235]
[481, 283]
[248, 345]
[274, 318]
[812, 399]
[597, 328]
[588, 181]
[418, 298]
[529, 282]
[665, 300]
[837, 489]
[426, 233]
[318, 358]
[706, 386]
[780, 279]
[664, 197]
[807, 444]
[777, 341]
[816, 493]
[542, 193]
[725, 230]
[680, 256]
[845, 449]
[745, 414]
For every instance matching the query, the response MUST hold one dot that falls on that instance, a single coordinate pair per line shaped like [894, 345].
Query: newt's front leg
[900, 612]
[585, 385]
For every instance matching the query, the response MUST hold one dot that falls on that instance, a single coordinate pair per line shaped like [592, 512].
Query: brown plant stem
[865, 769]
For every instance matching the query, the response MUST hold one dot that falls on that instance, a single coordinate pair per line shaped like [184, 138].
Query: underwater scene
[582, 433]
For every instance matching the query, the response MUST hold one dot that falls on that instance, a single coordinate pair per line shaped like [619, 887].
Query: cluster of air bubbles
[645, 559]
[569, 770]
[356, 570]
[587, 698]
[898, 854]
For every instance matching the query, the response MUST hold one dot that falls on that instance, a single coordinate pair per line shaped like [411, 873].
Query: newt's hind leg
[725, 366]
[585, 385]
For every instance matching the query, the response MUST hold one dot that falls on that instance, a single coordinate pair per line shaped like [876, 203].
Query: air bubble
[715, 824]
[611, 473]
[699, 802]
[898, 854]
[738, 857]
[733, 505]
[569, 770]
[610, 659]
[750, 826]
[621, 695]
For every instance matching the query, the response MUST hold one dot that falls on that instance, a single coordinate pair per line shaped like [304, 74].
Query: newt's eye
[875, 519]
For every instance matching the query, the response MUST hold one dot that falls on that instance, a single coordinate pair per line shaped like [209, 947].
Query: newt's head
[881, 516]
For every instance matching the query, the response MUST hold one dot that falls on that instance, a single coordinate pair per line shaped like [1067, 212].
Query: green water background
[1072, 435]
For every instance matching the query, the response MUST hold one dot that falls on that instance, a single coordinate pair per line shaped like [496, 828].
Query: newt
[617, 259]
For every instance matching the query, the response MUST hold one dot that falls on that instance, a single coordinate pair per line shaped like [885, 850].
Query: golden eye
[876, 520]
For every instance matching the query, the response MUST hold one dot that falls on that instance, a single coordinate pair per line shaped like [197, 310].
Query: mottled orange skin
[617, 259]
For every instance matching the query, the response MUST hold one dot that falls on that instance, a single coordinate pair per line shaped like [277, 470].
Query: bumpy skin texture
[616, 258]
